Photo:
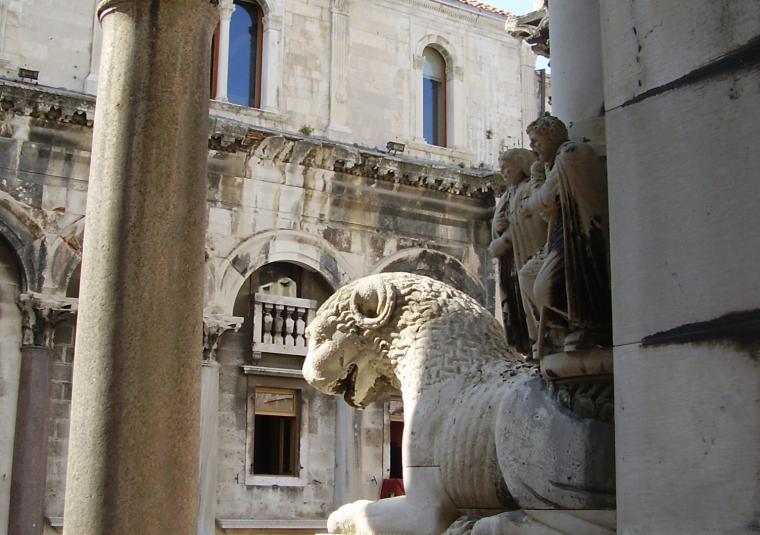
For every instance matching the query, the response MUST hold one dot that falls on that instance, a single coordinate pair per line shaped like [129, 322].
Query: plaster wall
[681, 127]
[52, 37]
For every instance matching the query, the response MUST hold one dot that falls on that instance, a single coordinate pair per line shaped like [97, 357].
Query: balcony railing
[279, 324]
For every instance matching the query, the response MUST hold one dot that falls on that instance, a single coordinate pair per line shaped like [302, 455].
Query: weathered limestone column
[40, 313]
[133, 450]
[577, 77]
[226, 9]
[337, 127]
[682, 131]
[214, 326]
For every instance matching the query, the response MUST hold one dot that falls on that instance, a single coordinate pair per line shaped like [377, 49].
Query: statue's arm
[543, 198]
[500, 223]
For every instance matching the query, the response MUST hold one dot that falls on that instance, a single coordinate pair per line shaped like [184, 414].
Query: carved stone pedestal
[567, 365]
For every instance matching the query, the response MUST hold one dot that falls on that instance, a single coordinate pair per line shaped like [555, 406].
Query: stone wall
[490, 86]
[338, 210]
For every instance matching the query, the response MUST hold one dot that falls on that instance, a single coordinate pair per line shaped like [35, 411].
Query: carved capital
[226, 9]
[340, 7]
[40, 314]
[214, 326]
[418, 62]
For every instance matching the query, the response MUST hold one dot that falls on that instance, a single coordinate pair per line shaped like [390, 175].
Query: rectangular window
[275, 440]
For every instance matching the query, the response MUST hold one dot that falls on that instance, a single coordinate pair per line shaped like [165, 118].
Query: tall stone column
[226, 9]
[577, 76]
[214, 326]
[337, 128]
[40, 314]
[133, 450]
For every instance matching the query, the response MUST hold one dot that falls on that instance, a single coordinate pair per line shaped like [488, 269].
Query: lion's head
[343, 349]
[368, 331]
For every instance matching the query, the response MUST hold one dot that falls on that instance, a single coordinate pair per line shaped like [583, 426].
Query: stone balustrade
[279, 324]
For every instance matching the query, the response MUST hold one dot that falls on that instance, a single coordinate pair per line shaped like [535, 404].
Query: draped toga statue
[555, 282]
[572, 284]
[518, 237]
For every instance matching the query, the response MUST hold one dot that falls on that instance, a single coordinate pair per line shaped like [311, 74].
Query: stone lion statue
[484, 434]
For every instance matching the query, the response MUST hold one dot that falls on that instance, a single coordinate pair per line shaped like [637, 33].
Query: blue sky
[518, 7]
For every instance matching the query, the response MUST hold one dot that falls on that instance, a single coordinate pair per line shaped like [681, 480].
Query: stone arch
[66, 255]
[27, 239]
[437, 265]
[301, 248]
[440, 44]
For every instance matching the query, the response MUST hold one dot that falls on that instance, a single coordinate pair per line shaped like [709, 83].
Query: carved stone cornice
[214, 326]
[349, 159]
[533, 28]
[51, 105]
[40, 314]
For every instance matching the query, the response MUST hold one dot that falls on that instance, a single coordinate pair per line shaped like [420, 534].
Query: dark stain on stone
[741, 329]
[746, 56]
[240, 263]
[377, 245]
[339, 238]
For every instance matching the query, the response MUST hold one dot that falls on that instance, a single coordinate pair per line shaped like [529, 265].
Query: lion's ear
[372, 303]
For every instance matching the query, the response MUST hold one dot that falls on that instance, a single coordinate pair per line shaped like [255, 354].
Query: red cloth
[392, 487]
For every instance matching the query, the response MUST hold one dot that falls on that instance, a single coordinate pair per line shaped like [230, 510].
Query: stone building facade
[300, 201]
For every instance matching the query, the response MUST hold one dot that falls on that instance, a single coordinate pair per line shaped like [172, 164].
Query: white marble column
[418, 117]
[226, 9]
[133, 447]
[214, 326]
[40, 314]
[577, 76]
[272, 68]
[337, 127]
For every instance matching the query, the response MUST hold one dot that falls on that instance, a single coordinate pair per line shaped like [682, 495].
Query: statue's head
[515, 165]
[546, 135]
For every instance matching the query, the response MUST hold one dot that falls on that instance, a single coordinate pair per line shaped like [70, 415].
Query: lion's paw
[349, 518]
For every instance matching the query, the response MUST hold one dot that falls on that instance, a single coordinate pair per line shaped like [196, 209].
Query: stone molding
[272, 372]
[214, 326]
[41, 313]
[251, 523]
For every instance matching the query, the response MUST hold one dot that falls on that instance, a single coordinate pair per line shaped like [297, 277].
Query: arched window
[245, 54]
[434, 97]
